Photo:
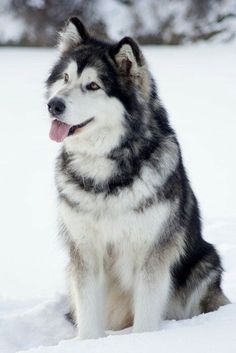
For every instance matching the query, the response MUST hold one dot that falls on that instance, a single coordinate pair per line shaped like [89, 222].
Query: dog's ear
[127, 56]
[73, 34]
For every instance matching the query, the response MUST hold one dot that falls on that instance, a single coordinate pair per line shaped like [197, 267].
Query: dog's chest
[114, 226]
[119, 242]
[104, 222]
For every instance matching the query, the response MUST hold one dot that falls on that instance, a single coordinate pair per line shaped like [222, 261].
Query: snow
[12, 28]
[197, 85]
[44, 327]
[166, 21]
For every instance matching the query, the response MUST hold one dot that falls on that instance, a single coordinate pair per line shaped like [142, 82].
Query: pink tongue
[59, 131]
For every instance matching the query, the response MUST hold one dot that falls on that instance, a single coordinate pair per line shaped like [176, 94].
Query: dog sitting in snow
[127, 211]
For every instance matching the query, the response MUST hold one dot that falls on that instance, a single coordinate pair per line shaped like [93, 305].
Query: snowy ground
[197, 84]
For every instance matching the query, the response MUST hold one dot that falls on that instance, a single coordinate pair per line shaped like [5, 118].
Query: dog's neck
[116, 157]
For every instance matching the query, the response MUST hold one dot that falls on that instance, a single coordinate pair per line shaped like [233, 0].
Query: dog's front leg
[150, 297]
[87, 291]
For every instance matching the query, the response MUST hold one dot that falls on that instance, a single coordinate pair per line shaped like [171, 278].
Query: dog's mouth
[59, 130]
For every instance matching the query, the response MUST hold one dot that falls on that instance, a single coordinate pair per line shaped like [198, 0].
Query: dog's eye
[92, 86]
[66, 77]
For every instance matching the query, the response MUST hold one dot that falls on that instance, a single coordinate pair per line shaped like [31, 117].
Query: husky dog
[127, 211]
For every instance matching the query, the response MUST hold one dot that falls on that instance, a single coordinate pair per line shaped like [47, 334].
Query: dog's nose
[56, 106]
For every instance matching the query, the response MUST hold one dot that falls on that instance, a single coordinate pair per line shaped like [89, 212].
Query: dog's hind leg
[119, 309]
[213, 299]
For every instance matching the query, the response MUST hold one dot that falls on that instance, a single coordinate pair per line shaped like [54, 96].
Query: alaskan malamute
[126, 208]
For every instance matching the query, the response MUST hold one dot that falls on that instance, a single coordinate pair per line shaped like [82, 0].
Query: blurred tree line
[149, 21]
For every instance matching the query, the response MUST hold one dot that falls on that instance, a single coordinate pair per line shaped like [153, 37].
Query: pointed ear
[73, 34]
[127, 56]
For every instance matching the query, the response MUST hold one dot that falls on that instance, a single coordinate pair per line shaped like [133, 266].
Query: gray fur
[131, 219]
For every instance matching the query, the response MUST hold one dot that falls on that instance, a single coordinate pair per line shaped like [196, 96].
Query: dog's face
[91, 87]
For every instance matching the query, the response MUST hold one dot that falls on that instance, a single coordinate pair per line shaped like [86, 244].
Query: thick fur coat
[127, 211]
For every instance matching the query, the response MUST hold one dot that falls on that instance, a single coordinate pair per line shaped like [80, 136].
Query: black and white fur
[127, 211]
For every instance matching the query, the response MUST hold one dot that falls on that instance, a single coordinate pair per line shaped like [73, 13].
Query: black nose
[56, 106]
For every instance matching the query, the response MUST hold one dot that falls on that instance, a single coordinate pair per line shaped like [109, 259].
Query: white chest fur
[129, 234]
[99, 222]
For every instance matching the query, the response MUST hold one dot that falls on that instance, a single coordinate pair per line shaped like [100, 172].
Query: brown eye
[66, 77]
[93, 86]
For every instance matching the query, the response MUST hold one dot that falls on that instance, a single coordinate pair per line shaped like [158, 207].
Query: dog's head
[93, 86]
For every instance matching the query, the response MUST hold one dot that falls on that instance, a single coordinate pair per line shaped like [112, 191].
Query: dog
[127, 213]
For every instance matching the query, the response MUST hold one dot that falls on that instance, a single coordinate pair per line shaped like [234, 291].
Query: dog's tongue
[59, 131]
